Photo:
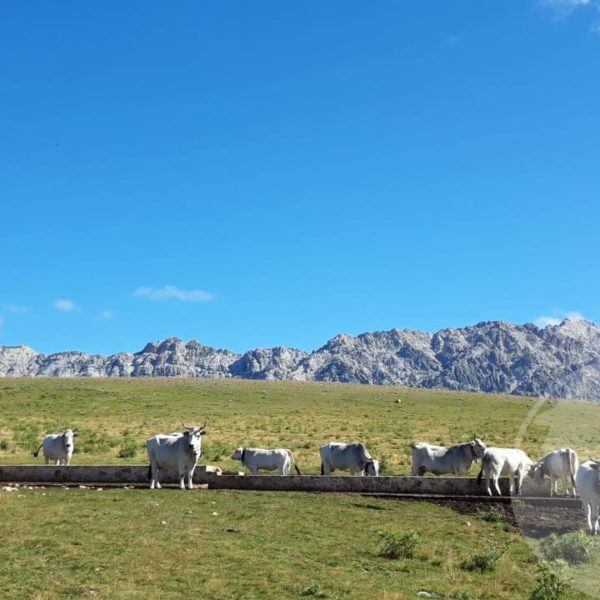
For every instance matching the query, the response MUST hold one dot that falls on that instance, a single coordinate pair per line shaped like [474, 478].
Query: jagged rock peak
[561, 360]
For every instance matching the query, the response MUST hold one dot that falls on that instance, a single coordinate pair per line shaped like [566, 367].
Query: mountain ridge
[491, 356]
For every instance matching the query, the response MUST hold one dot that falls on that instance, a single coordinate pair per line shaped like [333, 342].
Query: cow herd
[181, 450]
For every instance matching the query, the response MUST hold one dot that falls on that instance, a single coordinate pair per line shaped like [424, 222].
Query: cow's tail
[35, 454]
[484, 461]
[573, 466]
[322, 468]
[293, 460]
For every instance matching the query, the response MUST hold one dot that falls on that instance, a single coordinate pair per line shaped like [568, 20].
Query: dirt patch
[534, 520]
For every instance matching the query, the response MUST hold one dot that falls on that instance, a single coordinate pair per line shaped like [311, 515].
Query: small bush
[484, 562]
[551, 585]
[492, 516]
[128, 449]
[397, 545]
[573, 548]
[3, 445]
[313, 590]
[463, 595]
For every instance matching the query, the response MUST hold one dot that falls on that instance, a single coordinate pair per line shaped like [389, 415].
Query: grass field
[115, 417]
[167, 544]
[137, 544]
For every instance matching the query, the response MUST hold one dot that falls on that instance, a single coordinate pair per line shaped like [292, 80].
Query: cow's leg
[496, 486]
[595, 518]
[488, 489]
[590, 523]
[154, 483]
[520, 478]
[182, 481]
[47, 459]
[554, 486]
[511, 484]
[190, 481]
[415, 470]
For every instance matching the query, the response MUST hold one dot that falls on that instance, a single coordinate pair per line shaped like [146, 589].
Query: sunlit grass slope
[115, 417]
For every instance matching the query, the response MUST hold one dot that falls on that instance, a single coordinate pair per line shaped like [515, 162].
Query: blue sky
[266, 173]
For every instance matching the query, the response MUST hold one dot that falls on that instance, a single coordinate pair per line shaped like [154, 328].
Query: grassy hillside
[226, 545]
[241, 545]
[115, 417]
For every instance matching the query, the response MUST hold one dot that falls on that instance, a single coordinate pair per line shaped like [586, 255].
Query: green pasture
[115, 417]
[122, 543]
[244, 545]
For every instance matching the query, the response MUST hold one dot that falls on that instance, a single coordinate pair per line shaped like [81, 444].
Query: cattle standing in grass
[179, 450]
[439, 460]
[559, 464]
[58, 447]
[347, 457]
[267, 460]
[504, 461]
[587, 479]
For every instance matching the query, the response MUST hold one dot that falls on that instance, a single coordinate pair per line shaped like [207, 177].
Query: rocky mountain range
[495, 356]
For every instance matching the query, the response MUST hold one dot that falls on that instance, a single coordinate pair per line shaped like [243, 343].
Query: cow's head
[372, 468]
[193, 439]
[237, 454]
[67, 438]
[536, 471]
[477, 448]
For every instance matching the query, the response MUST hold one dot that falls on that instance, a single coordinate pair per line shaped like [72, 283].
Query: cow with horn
[179, 451]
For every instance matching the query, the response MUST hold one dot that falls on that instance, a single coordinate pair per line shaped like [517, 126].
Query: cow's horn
[185, 426]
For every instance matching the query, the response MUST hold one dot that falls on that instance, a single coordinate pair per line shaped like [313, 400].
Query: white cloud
[561, 9]
[66, 305]
[170, 292]
[545, 320]
[106, 315]
[15, 308]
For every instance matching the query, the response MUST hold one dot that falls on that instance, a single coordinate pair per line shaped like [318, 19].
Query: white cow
[178, 450]
[588, 486]
[504, 461]
[347, 457]
[58, 447]
[559, 464]
[438, 460]
[267, 460]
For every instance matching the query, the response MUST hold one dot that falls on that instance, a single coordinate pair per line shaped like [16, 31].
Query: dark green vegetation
[166, 544]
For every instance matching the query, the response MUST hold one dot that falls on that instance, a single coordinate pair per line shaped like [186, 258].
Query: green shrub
[3, 445]
[128, 449]
[463, 595]
[397, 545]
[551, 585]
[573, 548]
[313, 590]
[484, 562]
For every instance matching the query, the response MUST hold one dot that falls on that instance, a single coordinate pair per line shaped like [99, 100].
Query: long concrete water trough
[138, 475]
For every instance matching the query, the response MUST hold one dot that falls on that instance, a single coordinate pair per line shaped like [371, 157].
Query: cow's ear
[186, 433]
[202, 432]
[595, 466]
